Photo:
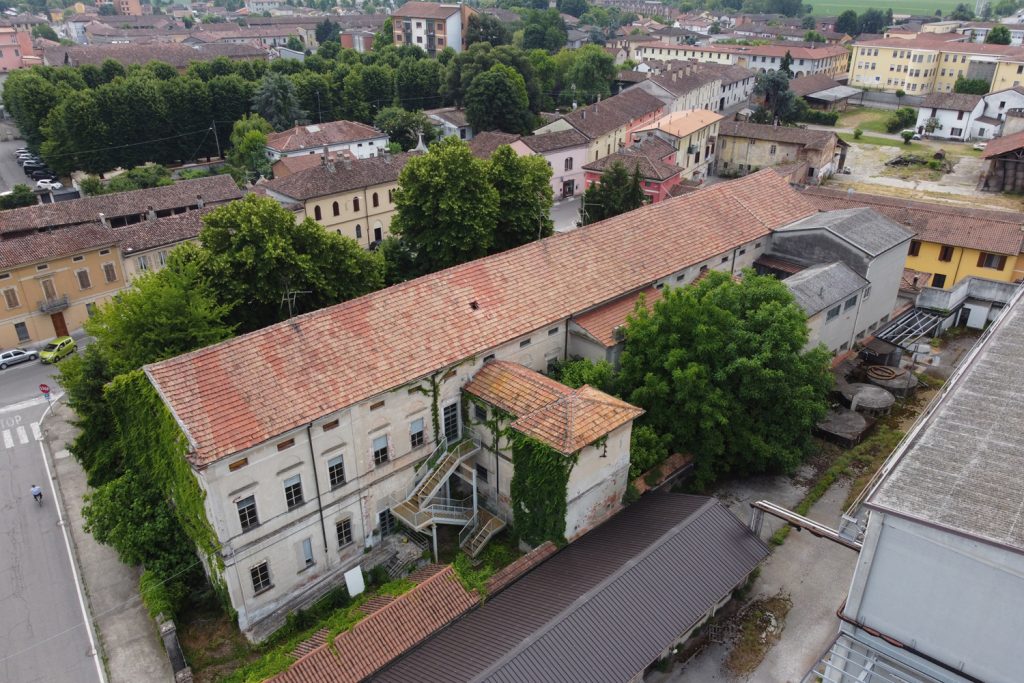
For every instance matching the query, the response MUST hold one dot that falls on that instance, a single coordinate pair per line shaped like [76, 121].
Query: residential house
[977, 31]
[15, 47]
[120, 208]
[653, 158]
[576, 39]
[683, 88]
[566, 153]
[940, 571]
[830, 294]
[746, 147]
[609, 123]
[693, 134]
[823, 92]
[953, 116]
[359, 139]
[997, 105]
[146, 245]
[451, 121]
[352, 197]
[52, 281]
[338, 464]
[358, 39]
[831, 60]
[432, 26]
[125, 8]
[950, 243]
[1005, 157]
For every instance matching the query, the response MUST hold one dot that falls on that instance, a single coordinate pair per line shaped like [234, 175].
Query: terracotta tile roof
[998, 232]
[805, 85]
[951, 100]
[214, 190]
[384, 635]
[683, 123]
[160, 232]
[44, 246]
[506, 575]
[425, 10]
[627, 76]
[564, 418]
[456, 116]
[322, 180]
[244, 391]
[650, 166]
[914, 280]
[946, 42]
[321, 134]
[483, 144]
[1000, 146]
[605, 116]
[601, 322]
[285, 166]
[811, 139]
[549, 142]
[781, 265]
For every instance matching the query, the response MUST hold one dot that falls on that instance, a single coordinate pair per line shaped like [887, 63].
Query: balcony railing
[54, 305]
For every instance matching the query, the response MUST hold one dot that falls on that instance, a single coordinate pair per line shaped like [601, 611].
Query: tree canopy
[276, 102]
[998, 35]
[248, 147]
[617, 192]
[497, 100]
[21, 195]
[525, 196]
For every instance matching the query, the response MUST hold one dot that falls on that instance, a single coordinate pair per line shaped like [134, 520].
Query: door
[568, 188]
[60, 328]
[451, 422]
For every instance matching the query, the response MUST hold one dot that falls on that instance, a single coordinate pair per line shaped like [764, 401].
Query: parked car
[43, 173]
[980, 146]
[47, 184]
[21, 150]
[15, 356]
[57, 349]
[28, 160]
[33, 166]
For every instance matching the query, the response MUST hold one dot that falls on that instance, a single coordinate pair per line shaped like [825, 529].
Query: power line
[129, 144]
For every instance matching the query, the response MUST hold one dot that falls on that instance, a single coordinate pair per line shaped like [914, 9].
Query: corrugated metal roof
[638, 581]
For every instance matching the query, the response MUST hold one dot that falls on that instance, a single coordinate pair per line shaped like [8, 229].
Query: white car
[48, 185]
[980, 146]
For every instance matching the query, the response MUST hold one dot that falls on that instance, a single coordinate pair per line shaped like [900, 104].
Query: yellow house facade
[950, 263]
[1009, 73]
[51, 282]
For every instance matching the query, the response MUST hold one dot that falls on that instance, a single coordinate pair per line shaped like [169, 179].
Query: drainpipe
[316, 482]
[957, 271]
[856, 318]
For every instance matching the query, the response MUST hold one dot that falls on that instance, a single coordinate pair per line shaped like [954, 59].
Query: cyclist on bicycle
[37, 493]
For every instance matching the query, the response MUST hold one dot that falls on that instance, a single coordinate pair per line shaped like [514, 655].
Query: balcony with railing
[54, 304]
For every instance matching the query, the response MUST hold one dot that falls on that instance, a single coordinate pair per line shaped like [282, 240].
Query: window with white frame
[247, 513]
[293, 491]
[260, 575]
[380, 450]
[416, 433]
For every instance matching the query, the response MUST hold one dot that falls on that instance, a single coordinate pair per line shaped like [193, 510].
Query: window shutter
[981, 259]
[1001, 263]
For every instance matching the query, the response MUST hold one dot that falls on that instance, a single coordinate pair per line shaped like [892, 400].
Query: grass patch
[914, 147]
[912, 173]
[867, 119]
[920, 7]
[760, 627]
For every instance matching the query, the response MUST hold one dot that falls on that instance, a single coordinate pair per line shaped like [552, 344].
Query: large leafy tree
[779, 102]
[617, 192]
[434, 219]
[847, 23]
[722, 371]
[248, 146]
[544, 30]
[254, 253]
[275, 100]
[497, 100]
[591, 72]
[418, 83]
[21, 195]
[484, 28]
[999, 35]
[405, 127]
[524, 198]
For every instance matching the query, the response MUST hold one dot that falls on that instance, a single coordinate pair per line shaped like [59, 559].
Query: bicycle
[37, 493]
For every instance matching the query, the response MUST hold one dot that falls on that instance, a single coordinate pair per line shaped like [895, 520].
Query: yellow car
[57, 349]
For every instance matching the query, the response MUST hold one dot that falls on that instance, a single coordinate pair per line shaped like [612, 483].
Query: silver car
[15, 356]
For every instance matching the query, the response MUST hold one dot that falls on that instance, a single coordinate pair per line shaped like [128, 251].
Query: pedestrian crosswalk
[20, 435]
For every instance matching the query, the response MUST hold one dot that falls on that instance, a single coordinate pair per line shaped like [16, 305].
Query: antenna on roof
[289, 298]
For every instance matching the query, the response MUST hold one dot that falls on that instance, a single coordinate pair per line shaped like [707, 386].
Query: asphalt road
[43, 632]
[10, 173]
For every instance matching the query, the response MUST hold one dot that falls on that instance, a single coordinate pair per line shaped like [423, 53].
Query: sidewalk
[131, 647]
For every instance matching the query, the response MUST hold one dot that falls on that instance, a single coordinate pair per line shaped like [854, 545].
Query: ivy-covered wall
[539, 489]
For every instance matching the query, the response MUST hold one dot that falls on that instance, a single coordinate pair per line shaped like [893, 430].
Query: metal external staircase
[479, 530]
[422, 507]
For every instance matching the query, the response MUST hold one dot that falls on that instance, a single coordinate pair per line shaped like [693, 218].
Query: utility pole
[319, 114]
[213, 125]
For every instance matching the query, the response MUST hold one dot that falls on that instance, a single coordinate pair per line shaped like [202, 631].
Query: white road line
[8, 441]
[22, 435]
[37, 434]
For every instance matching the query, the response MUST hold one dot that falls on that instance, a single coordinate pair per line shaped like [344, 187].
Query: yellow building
[51, 282]
[693, 134]
[1009, 73]
[951, 242]
[352, 197]
[925, 63]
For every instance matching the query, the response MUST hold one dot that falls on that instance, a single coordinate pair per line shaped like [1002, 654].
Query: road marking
[37, 434]
[8, 441]
[22, 435]
[30, 403]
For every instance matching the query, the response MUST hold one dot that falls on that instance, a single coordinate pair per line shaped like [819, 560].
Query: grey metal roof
[604, 607]
[819, 287]
[960, 467]
[864, 228]
[839, 92]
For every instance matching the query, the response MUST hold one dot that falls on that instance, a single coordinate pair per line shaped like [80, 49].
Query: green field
[825, 8]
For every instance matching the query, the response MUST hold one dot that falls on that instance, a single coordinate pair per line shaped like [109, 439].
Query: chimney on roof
[103, 220]
[324, 158]
[199, 201]
[150, 214]
[346, 162]
[387, 156]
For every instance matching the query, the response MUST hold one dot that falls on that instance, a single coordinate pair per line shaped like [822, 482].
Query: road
[43, 630]
[10, 173]
[565, 213]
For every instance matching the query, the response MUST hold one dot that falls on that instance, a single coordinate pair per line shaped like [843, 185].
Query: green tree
[961, 13]
[386, 35]
[779, 102]
[786, 65]
[808, 23]
[999, 35]
[295, 44]
[484, 28]
[327, 30]
[21, 195]
[721, 371]
[248, 146]
[524, 198]
[230, 98]
[45, 31]
[544, 30]
[254, 253]
[497, 100]
[30, 98]
[405, 127]
[847, 23]
[971, 86]
[871, 21]
[814, 37]
[576, 8]
[617, 192]
[418, 83]
[592, 72]
[575, 373]
[275, 101]
[433, 219]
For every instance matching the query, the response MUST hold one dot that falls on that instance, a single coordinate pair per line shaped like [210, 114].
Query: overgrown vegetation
[761, 626]
[539, 490]
[904, 117]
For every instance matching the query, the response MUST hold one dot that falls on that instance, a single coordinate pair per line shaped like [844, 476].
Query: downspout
[856, 317]
[957, 271]
[732, 265]
[316, 482]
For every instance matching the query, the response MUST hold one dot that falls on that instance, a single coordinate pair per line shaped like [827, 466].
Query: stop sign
[45, 388]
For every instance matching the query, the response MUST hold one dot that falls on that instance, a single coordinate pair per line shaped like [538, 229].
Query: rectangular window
[387, 523]
[247, 513]
[109, 272]
[260, 578]
[524, 343]
[83, 279]
[22, 331]
[946, 254]
[915, 248]
[850, 303]
[161, 257]
[416, 433]
[771, 150]
[336, 471]
[143, 262]
[553, 331]
[481, 473]
[307, 552]
[238, 464]
[293, 491]
[287, 443]
[11, 297]
[378, 404]
[77, 259]
[479, 412]
[380, 450]
[991, 261]
[450, 422]
[344, 532]
[328, 426]
[832, 314]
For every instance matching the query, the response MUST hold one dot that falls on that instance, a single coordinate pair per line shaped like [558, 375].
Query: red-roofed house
[359, 139]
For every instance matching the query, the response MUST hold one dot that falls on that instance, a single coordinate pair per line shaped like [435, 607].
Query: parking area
[10, 173]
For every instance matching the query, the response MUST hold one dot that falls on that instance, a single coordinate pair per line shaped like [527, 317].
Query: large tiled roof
[605, 116]
[160, 232]
[565, 419]
[322, 180]
[686, 122]
[951, 100]
[1007, 143]
[244, 391]
[650, 166]
[425, 10]
[1000, 232]
[484, 144]
[601, 322]
[549, 142]
[806, 85]
[213, 190]
[43, 246]
[321, 134]
[602, 608]
[811, 139]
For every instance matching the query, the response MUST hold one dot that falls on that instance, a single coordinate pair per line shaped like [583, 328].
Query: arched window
[316, 213]
[359, 232]
[355, 203]
[376, 200]
[336, 208]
